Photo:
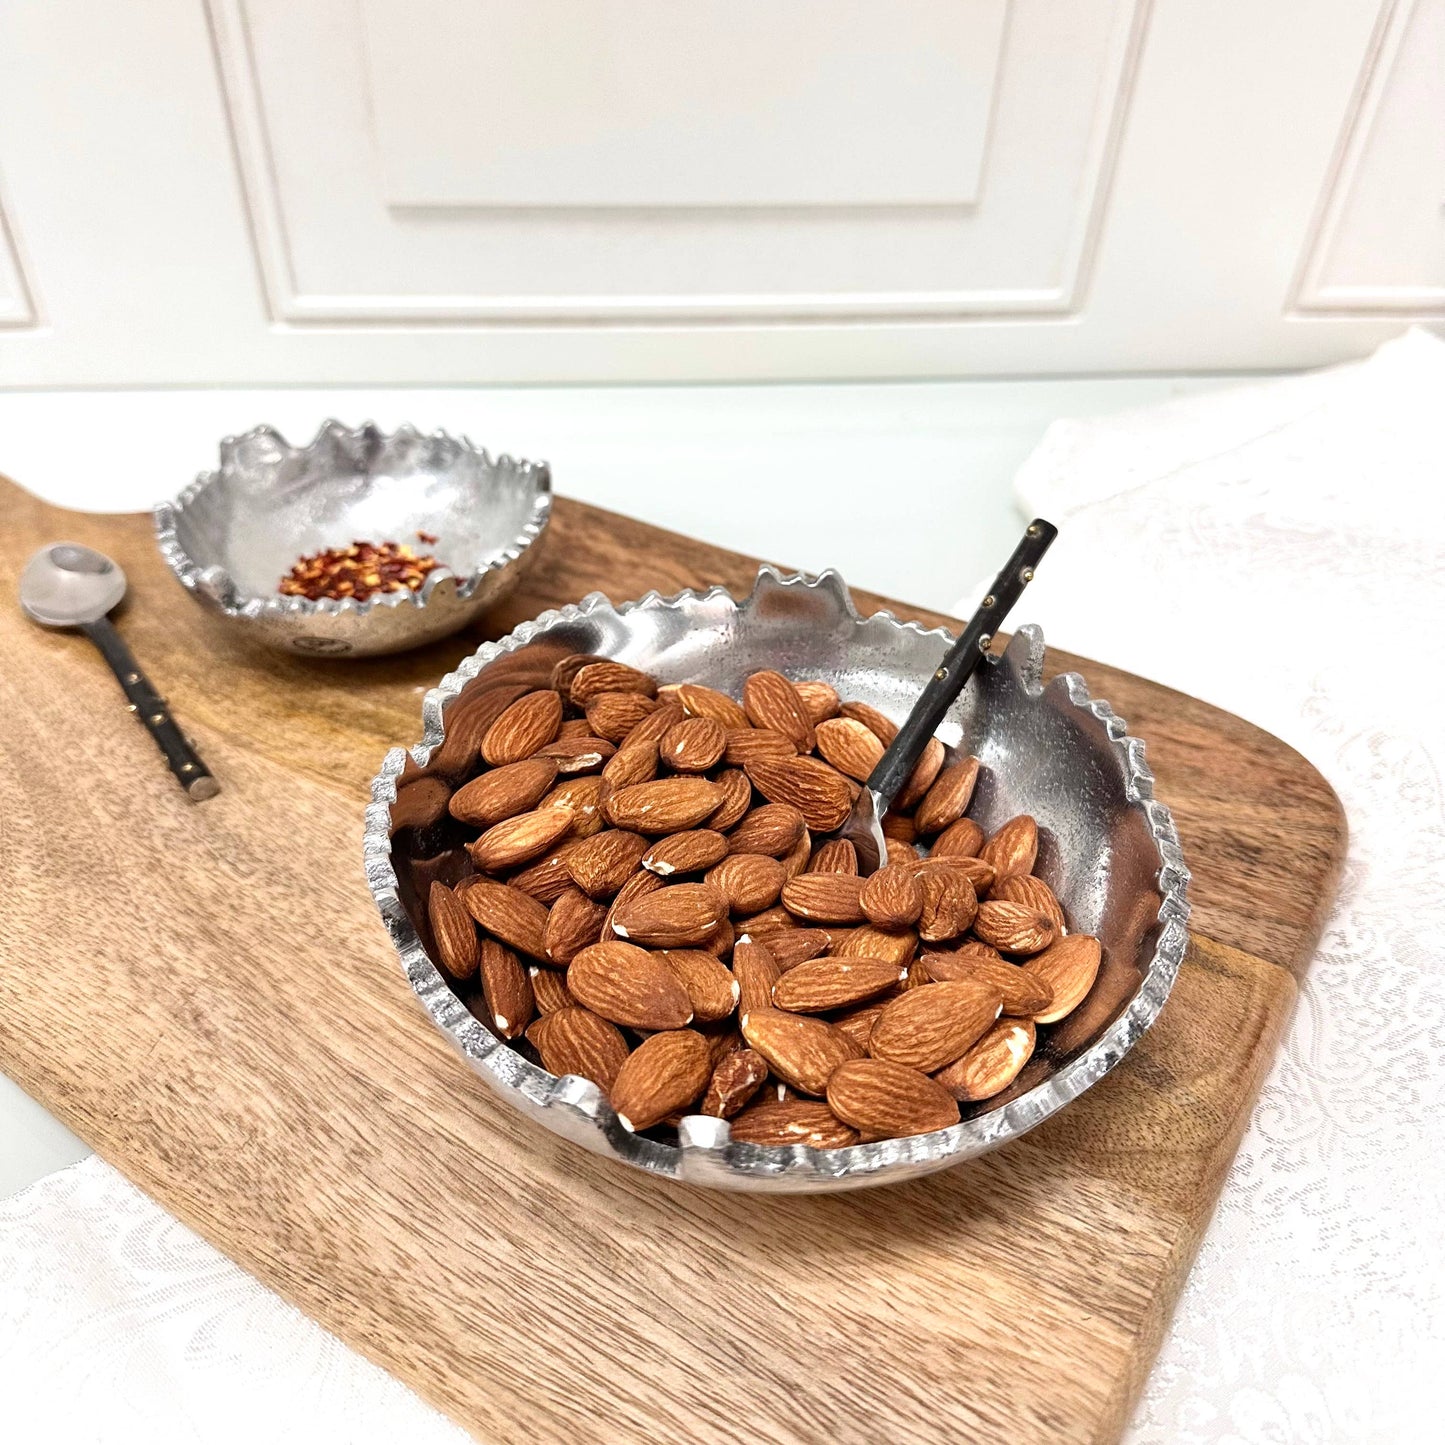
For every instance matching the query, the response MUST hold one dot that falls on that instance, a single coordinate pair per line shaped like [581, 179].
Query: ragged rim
[576, 1108]
[235, 603]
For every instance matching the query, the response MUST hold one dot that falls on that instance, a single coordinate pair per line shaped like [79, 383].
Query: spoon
[67, 585]
[863, 826]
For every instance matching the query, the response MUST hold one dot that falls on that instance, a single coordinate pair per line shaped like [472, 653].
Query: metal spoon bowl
[68, 585]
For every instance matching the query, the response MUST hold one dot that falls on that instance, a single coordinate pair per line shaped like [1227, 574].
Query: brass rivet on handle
[1026, 575]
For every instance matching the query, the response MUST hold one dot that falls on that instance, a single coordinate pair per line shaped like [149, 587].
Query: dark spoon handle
[150, 707]
[956, 669]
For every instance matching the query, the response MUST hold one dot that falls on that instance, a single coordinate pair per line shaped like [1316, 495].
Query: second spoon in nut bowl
[863, 828]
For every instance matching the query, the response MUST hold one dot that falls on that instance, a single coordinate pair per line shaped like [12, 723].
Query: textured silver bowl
[1107, 848]
[234, 533]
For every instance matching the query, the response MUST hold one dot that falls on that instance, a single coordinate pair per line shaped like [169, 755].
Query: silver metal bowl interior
[1107, 849]
[235, 532]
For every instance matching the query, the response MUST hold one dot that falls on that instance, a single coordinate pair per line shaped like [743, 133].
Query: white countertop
[905, 488]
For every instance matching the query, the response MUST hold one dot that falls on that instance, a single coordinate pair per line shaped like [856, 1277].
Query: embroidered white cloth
[1279, 550]
[1274, 549]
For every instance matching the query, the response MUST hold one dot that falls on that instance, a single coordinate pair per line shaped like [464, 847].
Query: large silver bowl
[234, 533]
[1107, 849]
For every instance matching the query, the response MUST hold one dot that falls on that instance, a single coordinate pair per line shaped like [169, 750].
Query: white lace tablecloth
[1275, 550]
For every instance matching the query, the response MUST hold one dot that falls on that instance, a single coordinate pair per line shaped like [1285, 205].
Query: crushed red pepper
[359, 571]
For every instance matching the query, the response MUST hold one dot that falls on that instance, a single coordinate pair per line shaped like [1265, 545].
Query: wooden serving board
[205, 994]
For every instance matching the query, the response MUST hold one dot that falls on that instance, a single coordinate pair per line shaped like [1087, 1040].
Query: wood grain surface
[204, 994]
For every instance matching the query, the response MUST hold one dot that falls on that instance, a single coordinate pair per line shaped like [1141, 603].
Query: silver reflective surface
[234, 533]
[1107, 848]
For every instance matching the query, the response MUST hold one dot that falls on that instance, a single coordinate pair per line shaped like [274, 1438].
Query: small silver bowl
[234, 533]
[1108, 850]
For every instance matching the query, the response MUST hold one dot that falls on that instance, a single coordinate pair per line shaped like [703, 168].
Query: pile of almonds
[655, 909]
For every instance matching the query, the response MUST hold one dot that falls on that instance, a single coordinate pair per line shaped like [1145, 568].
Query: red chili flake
[428, 538]
[359, 571]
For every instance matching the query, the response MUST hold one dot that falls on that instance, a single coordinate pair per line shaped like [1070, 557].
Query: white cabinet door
[477, 190]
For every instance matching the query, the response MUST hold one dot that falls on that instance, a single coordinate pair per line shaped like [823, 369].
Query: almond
[421, 802]
[699, 701]
[675, 917]
[797, 945]
[916, 977]
[612, 715]
[819, 792]
[870, 942]
[634, 762]
[766, 924]
[568, 668]
[1014, 927]
[662, 1075]
[756, 973]
[709, 982]
[655, 726]
[748, 745]
[892, 898]
[579, 799]
[883, 729]
[749, 882]
[737, 1076]
[899, 826]
[576, 1041]
[795, 860]
[949, 904]
[669, 805]
[979, 873]
[801, 1122]
[638, 886]
[960, 839]
[509, 914]
[1032, 893]
[737, 797]
[549, 991]
[689, 852]
[850, 746]
[578, 754]
[693, 745]
[720, 941]
[455, 932]
[601, 865]
[820, 701]
[572, 727]
[992, 1064]
[858, 1023]
[825, 897]
[802, 1051]
[771, 701]
[518, 840]
[927, 1028]
[834, 855]
[629, 986]
[773, 829]
[1069, 968]
[888, 1100]
[898, 854]
[574, 923]
[467, 721]
[528, 724]
[506, 989]
[921, 779]
[1013, 848]
[504, 792]
[1024, 993]
[828, 983]
[596, 678]
[948, 799]
[548, 878]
